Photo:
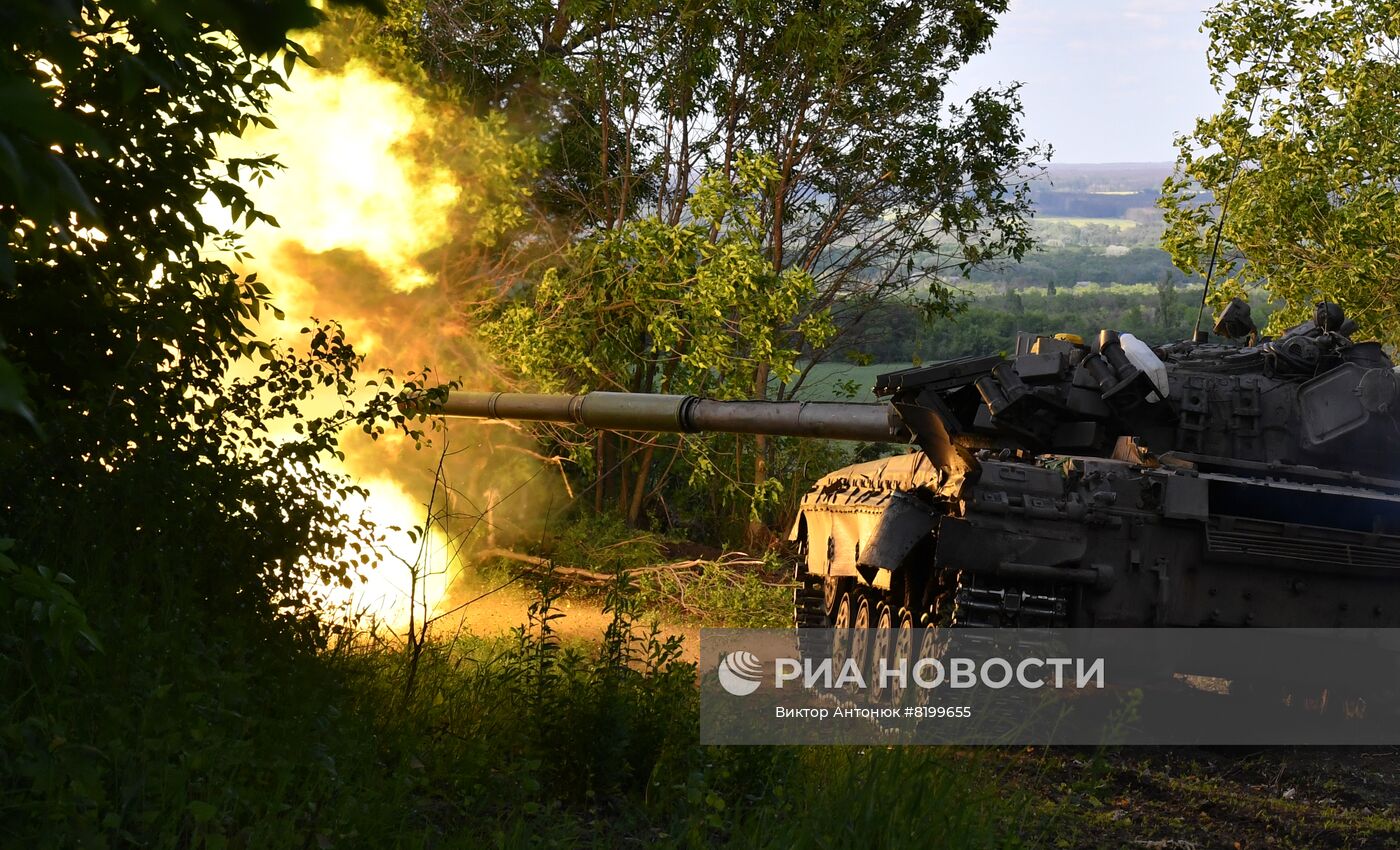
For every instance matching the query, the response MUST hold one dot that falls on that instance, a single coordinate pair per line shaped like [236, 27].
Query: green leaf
[201, 811]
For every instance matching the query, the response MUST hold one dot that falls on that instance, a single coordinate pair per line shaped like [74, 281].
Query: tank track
[840, 619]
[809, 601]
[969, 602]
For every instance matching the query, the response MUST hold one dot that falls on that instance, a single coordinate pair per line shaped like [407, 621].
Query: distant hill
[1101, 190]
[1106, 176]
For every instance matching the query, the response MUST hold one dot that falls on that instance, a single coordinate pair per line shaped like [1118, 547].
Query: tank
[1242, 482]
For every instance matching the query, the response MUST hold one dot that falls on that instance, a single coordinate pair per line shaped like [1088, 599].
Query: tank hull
[1098, 542]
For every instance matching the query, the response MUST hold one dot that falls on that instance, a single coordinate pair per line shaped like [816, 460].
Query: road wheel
[832, 588]
[841, 633]
[935, 644]
[860, 636]
[903, 651]
[884, 644]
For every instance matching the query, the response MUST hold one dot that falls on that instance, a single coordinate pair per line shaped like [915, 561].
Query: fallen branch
[728, 560]
[546, 565]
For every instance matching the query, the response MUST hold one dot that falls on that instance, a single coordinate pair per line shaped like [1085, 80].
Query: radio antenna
[1197, 335]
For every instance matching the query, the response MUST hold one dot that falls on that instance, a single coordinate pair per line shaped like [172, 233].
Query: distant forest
[1110, 190]
[896, 333]
[1059, 268]
[1098, 265]
[1104, 176]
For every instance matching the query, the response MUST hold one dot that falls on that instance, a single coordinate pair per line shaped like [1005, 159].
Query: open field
[831, 381]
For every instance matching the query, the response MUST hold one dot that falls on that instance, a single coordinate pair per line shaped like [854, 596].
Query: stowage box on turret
[1098, 483]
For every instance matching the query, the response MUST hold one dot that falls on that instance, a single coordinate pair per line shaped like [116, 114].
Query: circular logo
[739, 673]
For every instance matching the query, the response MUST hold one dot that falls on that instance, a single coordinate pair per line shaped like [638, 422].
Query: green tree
[1168, 306]
[47, 139]
[883, 185]
[655, 306]
[1294, 182]
[166, 529]
[159, 408]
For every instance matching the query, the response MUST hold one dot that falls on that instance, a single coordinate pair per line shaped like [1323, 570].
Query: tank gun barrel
[688, 414]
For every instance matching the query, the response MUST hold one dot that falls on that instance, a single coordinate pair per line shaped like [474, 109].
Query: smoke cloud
[390, 210]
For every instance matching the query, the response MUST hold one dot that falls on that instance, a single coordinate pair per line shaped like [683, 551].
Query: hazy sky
[1104, 80]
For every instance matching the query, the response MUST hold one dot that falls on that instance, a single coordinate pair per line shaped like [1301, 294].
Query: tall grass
[182, 736]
